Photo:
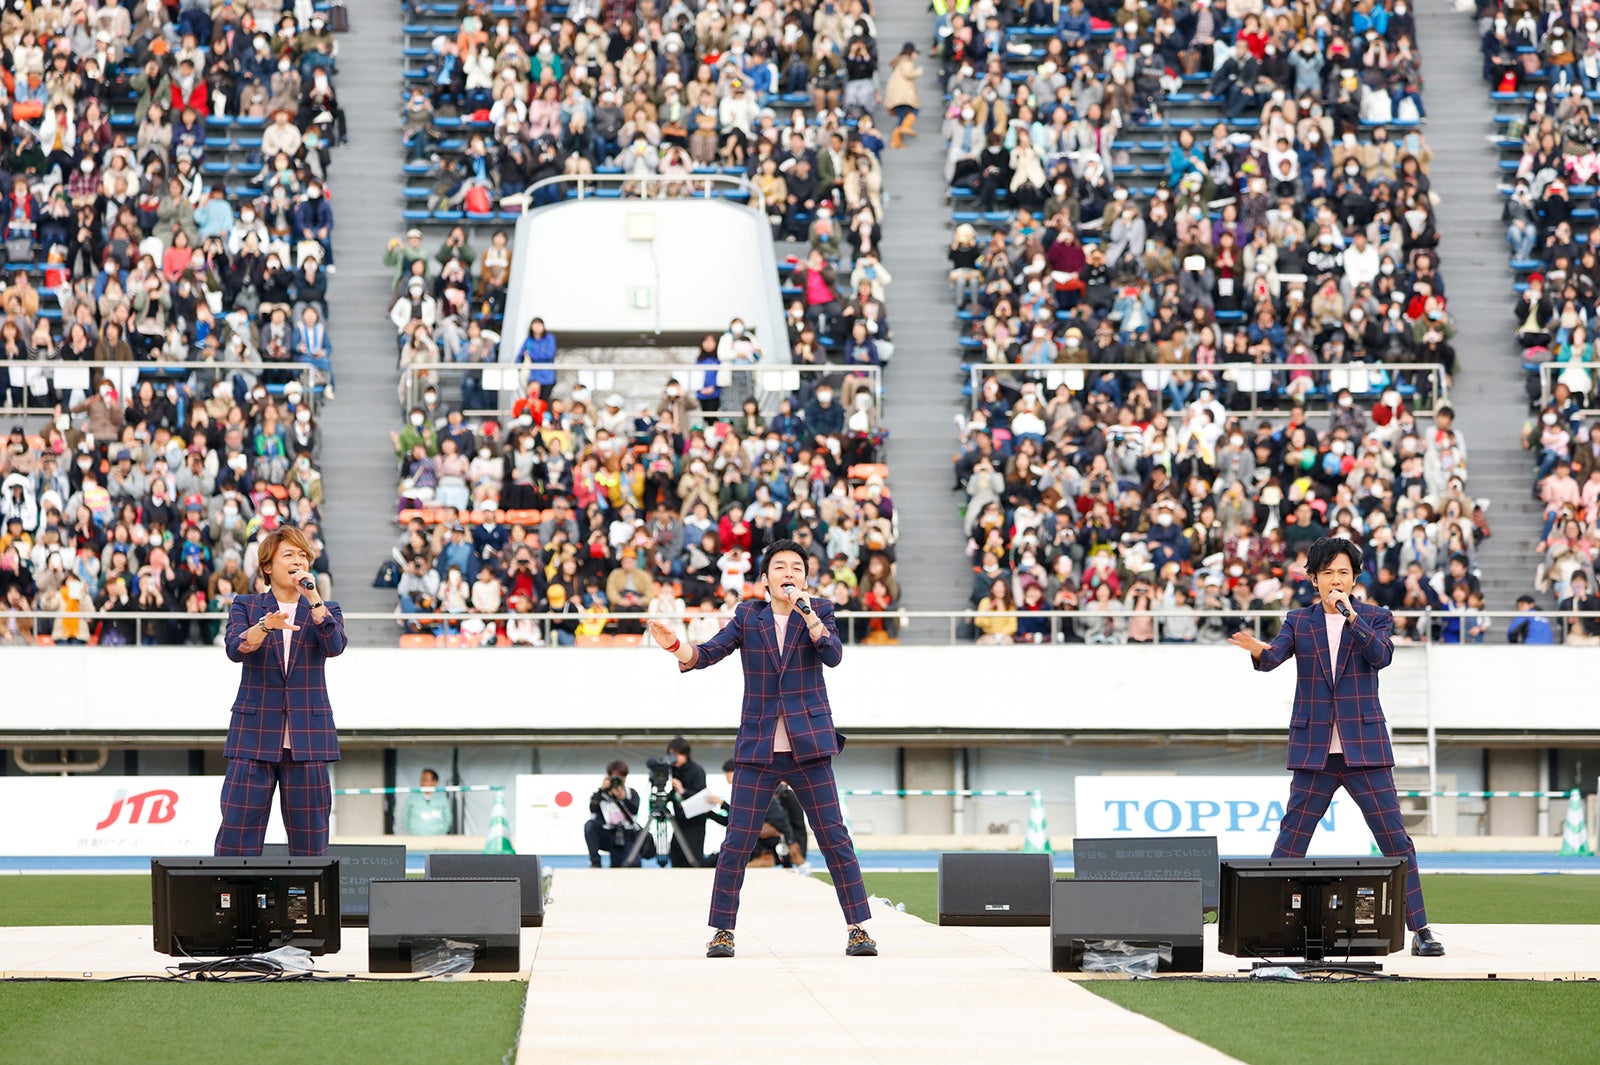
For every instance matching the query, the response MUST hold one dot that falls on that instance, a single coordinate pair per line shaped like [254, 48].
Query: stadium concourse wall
[1489, 692]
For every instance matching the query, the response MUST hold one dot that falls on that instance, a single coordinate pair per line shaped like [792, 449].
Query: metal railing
[1412, 627]
[641, 186]
[1257, 388]
[510, 379]
[1549, 372]
[70, 378]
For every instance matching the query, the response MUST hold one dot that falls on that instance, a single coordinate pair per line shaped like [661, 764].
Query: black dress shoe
[1424, 945]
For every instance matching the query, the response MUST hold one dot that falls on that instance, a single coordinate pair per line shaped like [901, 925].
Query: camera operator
[688, 778]
[615, 825]
[783, 838]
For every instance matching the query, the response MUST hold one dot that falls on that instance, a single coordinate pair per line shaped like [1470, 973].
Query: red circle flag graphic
[563, 798]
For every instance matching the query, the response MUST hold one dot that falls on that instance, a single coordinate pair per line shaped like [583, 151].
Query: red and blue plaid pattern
[268, 691]
[814, 786]
[304, 793]
[786, 680]
[271, 693]
[1372, 788]
[1364, 649]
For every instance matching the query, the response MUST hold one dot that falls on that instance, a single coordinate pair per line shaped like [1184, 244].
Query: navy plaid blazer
[786, 680]
[268, 691]
[1364, 648]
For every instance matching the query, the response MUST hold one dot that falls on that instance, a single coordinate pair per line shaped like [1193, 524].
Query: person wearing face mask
[1337, 733]
[418, 431]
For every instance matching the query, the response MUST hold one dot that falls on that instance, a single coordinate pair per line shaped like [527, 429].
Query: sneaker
[721, 945]
[860, 945]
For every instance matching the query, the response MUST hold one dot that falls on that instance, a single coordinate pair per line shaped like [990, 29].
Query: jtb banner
[1242, 812]
[115, 815]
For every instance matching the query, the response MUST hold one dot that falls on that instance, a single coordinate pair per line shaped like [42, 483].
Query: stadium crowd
[585, 504]
[126, 243]
[1299, 230]
[1548, 62]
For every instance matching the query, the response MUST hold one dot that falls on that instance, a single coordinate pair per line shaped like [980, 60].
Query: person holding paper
[785, 733]
[688, 781]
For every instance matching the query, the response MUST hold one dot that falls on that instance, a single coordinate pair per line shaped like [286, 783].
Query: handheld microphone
[308, 582]
[800, 605]
[1343, 607]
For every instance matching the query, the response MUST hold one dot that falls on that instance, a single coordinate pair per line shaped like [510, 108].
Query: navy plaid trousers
[1372, 787]
[813, 785]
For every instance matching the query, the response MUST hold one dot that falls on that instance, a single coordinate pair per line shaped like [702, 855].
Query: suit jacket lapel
[1319, 639]
[302, 624]
[1345, 643]
[791, 637]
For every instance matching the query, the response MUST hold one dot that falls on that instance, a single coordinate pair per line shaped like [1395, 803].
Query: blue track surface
[879, 861]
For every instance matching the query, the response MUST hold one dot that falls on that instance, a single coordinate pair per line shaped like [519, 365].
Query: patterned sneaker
[721, 945]
[860, 945]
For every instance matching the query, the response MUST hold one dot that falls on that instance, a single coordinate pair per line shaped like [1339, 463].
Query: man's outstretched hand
[1246, 639]
[663, 636]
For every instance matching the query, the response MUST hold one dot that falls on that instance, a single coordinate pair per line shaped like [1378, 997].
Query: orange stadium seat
[417, 639]
[627, 639]
[602, 640]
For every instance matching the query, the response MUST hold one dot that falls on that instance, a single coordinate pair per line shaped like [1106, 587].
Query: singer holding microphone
[1337, 733]
[281, 736]
[785, 733]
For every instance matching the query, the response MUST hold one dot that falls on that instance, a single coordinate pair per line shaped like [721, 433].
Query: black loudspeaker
[995, 889]
[1163, 913]
[412, 916]
[524, 867]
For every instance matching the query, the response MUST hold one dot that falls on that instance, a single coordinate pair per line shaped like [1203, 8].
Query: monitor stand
[1314, 950]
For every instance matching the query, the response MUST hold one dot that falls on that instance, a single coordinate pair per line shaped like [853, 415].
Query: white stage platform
[619, 964]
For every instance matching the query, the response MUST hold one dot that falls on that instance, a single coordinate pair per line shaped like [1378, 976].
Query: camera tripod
[660, 828]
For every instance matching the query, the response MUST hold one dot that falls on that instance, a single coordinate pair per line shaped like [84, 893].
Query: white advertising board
[1242, 812]
[172, 816]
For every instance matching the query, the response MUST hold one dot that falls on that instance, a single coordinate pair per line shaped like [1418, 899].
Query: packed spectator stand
[166, 203]
[570, 503]
[1198, 200]
[1543, 66]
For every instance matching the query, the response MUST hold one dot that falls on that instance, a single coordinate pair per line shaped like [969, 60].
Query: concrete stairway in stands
[1488, 393]
[358, 461]
[923, 381]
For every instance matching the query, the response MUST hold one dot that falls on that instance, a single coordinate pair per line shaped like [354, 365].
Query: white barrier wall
[1048, 689]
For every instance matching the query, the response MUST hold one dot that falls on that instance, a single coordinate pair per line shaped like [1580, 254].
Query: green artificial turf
[1421, 1023]
[352, 1024]
[61, 899]
[1452, 899]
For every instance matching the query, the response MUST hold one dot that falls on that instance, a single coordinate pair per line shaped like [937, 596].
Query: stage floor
[620, 963]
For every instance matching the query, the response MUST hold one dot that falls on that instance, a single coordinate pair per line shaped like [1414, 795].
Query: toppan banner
[1242, 812]
[115, 815]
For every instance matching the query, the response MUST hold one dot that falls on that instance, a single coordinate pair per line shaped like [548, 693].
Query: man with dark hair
[613, 824]
[688, 778]
[1337, 733]
[428, 811]
[786, 733]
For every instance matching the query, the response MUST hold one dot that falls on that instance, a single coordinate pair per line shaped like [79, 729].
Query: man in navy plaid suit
[786, 734]
[1337, 733]
[282, 735]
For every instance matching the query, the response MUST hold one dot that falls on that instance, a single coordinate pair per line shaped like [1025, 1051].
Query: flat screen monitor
[218, 907]
[359, 865]
[1319, 909]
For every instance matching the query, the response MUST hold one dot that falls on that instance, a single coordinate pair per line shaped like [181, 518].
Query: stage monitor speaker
[994, 889]
[410, 917]
[524, 867]
[1161, 913]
